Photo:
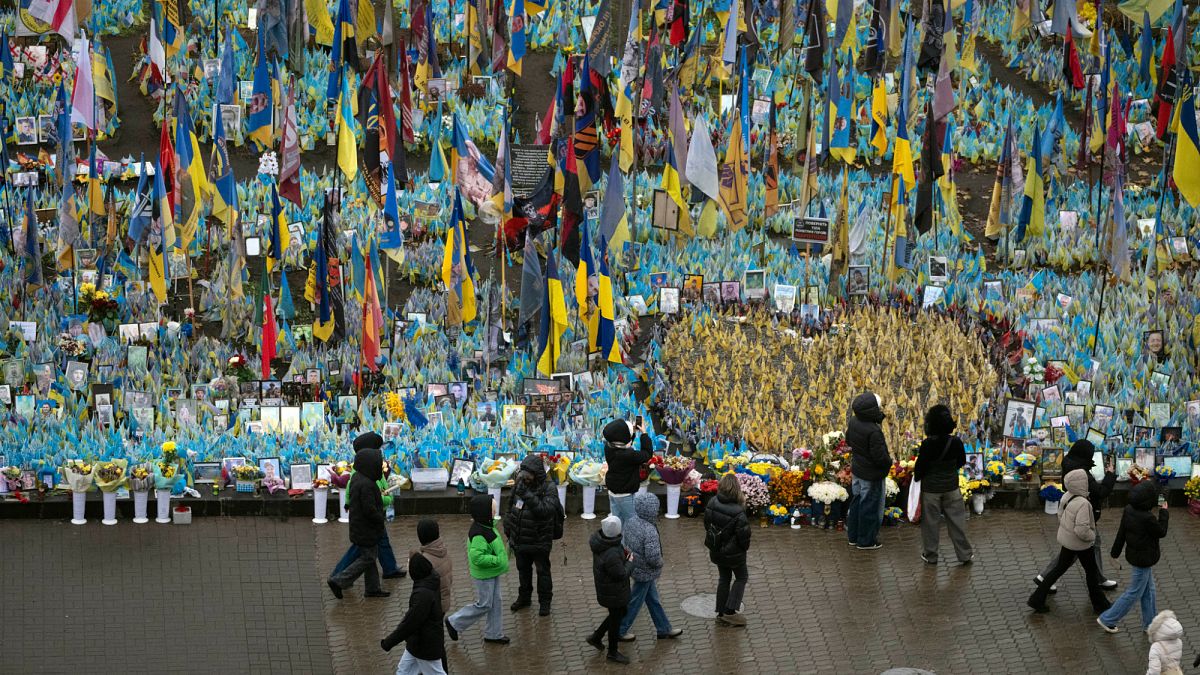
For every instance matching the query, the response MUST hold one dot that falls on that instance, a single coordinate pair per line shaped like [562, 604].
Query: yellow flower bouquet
[110, 475]
[79, 474]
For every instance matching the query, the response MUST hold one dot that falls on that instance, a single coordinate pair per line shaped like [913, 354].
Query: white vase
[672, 502]
[977, 502]
[110, 508]
[3, 486]
[343, 505]
[78, 507]
[162, 503]
[140, 500]
[320, 505]
[1051, 507]
[494, 493]
[562, 496]
[589, 503]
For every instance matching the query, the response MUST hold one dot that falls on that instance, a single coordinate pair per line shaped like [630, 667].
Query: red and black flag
[533, 214]
[1072, 70]
[679, 22]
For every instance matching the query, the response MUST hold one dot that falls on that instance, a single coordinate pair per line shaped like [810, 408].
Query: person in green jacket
[387, 557]
[487, 559]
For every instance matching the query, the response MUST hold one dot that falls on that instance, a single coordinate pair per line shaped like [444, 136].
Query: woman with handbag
[939, 459]
[727, 537]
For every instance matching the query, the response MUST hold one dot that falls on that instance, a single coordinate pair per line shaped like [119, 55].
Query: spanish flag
[607, 337]
[1186, 171]
[458, 271]
[554, 320]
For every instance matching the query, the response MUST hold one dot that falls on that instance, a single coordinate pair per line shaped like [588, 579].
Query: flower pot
[672, 501]
[1051, 507]
[494, 493]
[562, 496]
[320, 505]
[977, 502]
[140, 498]
[162, 506]
[589, 503]
[1194, 507]
[110, 508]
[343, 505]
[78, 507]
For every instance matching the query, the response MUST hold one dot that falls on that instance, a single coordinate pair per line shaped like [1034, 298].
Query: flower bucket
[977, 502]
[110, 508]
[343, 505]
[78, 507]
[182, 515]
[3, 486]
[162, 506]
[672, 501]
[494, 493]
[1194, 507]
[562, 496]
[320, 505]
[140, 499]
[589, 503]
[1051, 508]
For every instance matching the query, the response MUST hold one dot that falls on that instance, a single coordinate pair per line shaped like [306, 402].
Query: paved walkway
[247, 595]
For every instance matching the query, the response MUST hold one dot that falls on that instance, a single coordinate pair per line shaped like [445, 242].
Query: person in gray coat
[1076, 534]
[938, 461]
[643, 541]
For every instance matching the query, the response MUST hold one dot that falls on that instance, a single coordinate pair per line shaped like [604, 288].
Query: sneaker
[672, 635]
[337, 590]
[618, 657]
[872, 547]
[377, 594]
[595, 642]
[451, 631]
[519, 605]
[929, 560]
[628, 637]
[852, 544]
[1108, 585]
[1107, 628]
[1038, 580]
[502, 640]
[733, 619]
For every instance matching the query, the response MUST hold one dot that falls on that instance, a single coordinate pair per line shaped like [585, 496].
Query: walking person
[366, 519]
[645, 544]
[421, 627]
[624, 464]
[1166, 649]
[1082, 456]
[387, 557]
[727, 537]
[869, 466]
[611, 563]
[535, 520]
[488, 560]
[1138, 535]
[434, 550]
[939, 459]
[1076, 533]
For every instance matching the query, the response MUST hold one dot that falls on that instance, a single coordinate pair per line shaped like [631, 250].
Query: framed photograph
[1051, 394]
[14, 374]
[206, 472]
[1179, 248]
[228, 464]
[711, 293]
[1018, 418]
[6, 394]
[347, 405]
[563, 380]
[666, 211]
[514, 417]
[1096, 437]
[27, 130]
[1153, 344]
[754, 283]
[731, 292]
[1160, 414]
[486, 413]
[1077, 414]
[436, 389]
[859, 280]
[302, 476]
[668, 300]
[974, 466]
[459, 392]
[1052, 463]
[1160, 380]
[1041, 436]
[1010, 448]
[231, 120]
[47, 130]
[324, 471]
[391, 431]
[1124, 464]
[938, 269]
[312, 415]
[289, 419]
[271, 467]
[1102, 417]
[637, 303]
[1143, 435]
[535, 420]
[77, 375]
[1170, 442]
[434, 419]
[1083, 390]
[1181, 465]
[693, 286]
[268, 415]
[540, 387]
[461, 468]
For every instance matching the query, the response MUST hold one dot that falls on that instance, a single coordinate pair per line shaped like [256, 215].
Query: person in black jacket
[535, 520]
[366, 518]
[727, 537]
[1081, 456]
[421, 627]
[938, 461]
[610, 570]
[1138, 534]
[869, 465]
[624, 465]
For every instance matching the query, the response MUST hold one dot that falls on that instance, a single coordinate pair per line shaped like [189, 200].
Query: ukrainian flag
[343, 31]
[259, 110]
[607, 327]
[172, 27]
[554, 320]
[166, 239]
[458, 271]
[670, 183]
[583, 287]
[194, 187]
[516, 44]
[1186, 170]
[224, 206]
[879, 116]
[1032, 220]
[281, 238]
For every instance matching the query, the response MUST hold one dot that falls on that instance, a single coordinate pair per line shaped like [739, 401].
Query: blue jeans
[387, 557]
[646, 592]
[1141, 587]
[621, 507]
[866, 502]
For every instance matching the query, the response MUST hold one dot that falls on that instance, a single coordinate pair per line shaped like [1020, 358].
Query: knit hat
[617, 432]
[611, 527]
[427, 531]
[419, 567]
[368, 440]
[1083, 449]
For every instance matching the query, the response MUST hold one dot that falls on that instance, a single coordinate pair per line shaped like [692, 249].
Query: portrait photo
[859, 280]
[1018, 418]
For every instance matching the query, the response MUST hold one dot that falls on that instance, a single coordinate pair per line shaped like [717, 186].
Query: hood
[1144, 495]
[481, 510]
[368, 440]
[369, 462]
[600, 543]
[646, 507]
[866, 407]
[434, 549]
[535, 467]
[427, 531]
[1165, 627]
[1083, 451]
[419, 567]
[1076, 482]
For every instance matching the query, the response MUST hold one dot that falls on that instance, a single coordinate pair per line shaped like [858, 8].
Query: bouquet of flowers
[247, 472]
[779, 513]
[645, 469]
[557, 467]
[12, 476]
[1191, 490]
[995, 470]
[731, 462]
[827, 492]
[891, 489]
[587, 472]
[167, 471]
[755, 491]
[788, 487]
[1024, 463]
[79, 474]
[892, 515]
[708, 488]
[1034, 371]
[339, 476]
[394, 406]
[321, 484]
[1164, 473]
[495, 472]
[70, 347]
[766, 471]
[99, 305]
[675, 469]
[237, 367]
[901, 472]
[1051, 492]
[110, 475]
[141, 479]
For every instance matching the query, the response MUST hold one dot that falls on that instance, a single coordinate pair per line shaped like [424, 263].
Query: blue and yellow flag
[516, 42]
[586, 284]
[258, 111]
[1186, 170]
[224, 194]
[279, 236]
[554, 320]
[343, 37]
[192, 183]
[347, 148]
[324, 321]
[1032, 220]
[162, 238]
[172, 27]
[33, 250]
[607, 329]
[458, 272]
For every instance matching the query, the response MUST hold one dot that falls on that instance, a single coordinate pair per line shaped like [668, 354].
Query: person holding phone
[1082, 456]
[1138, 535]
[624, 463]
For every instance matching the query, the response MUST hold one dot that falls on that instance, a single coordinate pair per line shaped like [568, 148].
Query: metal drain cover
[702, 605]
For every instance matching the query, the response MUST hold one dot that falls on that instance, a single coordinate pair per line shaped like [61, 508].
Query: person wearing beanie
[1082, 456]
[641, 536]
[1138, 535]
[624, 464]
[487, 560]
[387, 557]
[869, 466]
[367, 524]
[421, 627]
[939, 460]
[1166, 648]
[434, 550]
[535, 519]
[611, 563]
[1076, 534]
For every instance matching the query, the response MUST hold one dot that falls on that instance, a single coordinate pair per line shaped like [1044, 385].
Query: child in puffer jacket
[1166, 652]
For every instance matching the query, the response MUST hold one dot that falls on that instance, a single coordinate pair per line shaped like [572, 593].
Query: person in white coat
[1166, 650]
